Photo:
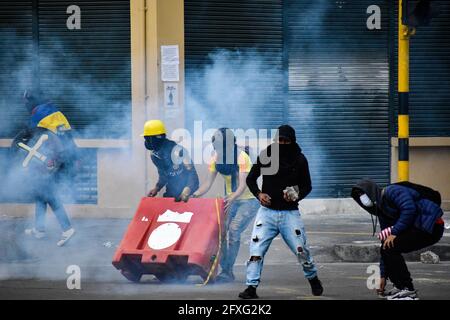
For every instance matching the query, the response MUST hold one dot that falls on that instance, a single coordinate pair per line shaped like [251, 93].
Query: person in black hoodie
[409, 222]
[286, 181]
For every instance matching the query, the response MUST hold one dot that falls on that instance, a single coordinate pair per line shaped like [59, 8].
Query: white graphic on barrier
[167, 234]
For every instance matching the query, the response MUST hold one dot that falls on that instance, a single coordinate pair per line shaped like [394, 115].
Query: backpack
[425, 192]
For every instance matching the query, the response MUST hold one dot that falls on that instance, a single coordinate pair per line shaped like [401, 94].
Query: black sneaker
[316, 286]
[249, 293]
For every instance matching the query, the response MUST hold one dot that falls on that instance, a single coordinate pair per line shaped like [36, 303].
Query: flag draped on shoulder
[48, 117]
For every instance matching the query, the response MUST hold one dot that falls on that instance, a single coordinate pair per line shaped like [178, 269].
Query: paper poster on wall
[170, 63]
[170, 72]
[171, 95]
[170, 55]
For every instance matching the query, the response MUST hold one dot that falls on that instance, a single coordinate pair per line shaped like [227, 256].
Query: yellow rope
[214, 265]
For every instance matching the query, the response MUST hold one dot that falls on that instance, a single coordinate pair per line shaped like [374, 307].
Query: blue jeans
[268, 224]
[239, 217]
[47, 195]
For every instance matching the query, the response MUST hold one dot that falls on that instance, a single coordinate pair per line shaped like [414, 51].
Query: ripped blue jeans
[241, 214]
[268, 224]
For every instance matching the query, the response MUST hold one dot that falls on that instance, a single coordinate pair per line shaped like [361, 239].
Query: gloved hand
[291, 193]
[195, 195]
[384, 234]
[51, 164]
[153, 192]
[184, 196]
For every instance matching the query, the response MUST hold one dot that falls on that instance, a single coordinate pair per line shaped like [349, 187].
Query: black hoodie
[293, 171]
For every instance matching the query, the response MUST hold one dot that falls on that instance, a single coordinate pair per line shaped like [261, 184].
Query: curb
[369, 251]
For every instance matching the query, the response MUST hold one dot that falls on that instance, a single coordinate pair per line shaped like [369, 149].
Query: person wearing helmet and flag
[47, 154]
[175, 168]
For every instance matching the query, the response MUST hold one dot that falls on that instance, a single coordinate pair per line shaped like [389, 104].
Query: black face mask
[288, 150]
[153, 143]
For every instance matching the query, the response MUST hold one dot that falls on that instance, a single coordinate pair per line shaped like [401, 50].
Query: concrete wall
[429, 160]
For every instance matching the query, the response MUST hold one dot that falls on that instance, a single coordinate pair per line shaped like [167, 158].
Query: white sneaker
[404, 295]
[35, 233]
[66, 235]
[391, 292]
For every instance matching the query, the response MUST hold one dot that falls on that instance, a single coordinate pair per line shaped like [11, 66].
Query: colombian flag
[48, 117]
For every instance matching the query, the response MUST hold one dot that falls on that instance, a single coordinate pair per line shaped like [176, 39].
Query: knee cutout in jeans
[255, 258]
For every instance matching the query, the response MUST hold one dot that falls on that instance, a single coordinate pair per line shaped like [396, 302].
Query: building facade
[325, 67]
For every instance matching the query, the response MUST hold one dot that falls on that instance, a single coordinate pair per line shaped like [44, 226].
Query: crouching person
[410, 219]
[279, 213]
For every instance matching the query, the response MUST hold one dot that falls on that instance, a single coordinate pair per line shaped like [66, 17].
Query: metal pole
[403, 96]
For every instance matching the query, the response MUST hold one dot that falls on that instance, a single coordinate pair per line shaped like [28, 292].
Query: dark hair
[223, 136]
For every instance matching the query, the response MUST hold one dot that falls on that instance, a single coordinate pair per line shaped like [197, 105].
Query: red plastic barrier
[171, 240]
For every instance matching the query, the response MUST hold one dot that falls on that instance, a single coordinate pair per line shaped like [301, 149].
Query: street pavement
[41, 273]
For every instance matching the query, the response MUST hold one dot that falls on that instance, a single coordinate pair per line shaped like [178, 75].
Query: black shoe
[249, 293]
[316, 286]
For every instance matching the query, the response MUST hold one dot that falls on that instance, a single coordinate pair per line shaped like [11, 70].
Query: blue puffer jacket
[405, 208]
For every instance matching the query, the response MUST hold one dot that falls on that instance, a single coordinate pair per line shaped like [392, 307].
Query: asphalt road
[342, 281]
[41, 274]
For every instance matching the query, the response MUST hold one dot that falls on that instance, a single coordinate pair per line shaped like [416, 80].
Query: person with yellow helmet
[175, 169]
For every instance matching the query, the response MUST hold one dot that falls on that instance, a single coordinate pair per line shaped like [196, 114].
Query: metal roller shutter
[87, 72]
[252, 27]
[16, 63]
[338, 92]
[429, 76]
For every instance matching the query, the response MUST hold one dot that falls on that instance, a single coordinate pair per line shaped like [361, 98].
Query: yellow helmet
[153, 128]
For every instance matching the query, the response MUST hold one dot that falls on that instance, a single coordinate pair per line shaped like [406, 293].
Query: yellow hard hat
[153, 128]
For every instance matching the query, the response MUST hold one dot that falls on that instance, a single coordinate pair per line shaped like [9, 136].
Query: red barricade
[172, 240]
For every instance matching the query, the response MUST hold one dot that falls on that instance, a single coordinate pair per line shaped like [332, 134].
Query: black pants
[409, 241]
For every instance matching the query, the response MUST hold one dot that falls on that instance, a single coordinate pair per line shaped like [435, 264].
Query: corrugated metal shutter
[87, 72]
[429, 76]
[252, 27]
[82, 190]
[338, 92]
[16, 63]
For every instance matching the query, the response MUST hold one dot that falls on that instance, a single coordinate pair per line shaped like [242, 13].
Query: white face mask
[365, 200]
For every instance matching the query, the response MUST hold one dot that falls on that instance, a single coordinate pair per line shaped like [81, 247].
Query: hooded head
[287, 145]
[286, 132]
[224, 144]
[33, 98]
[367, 194]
